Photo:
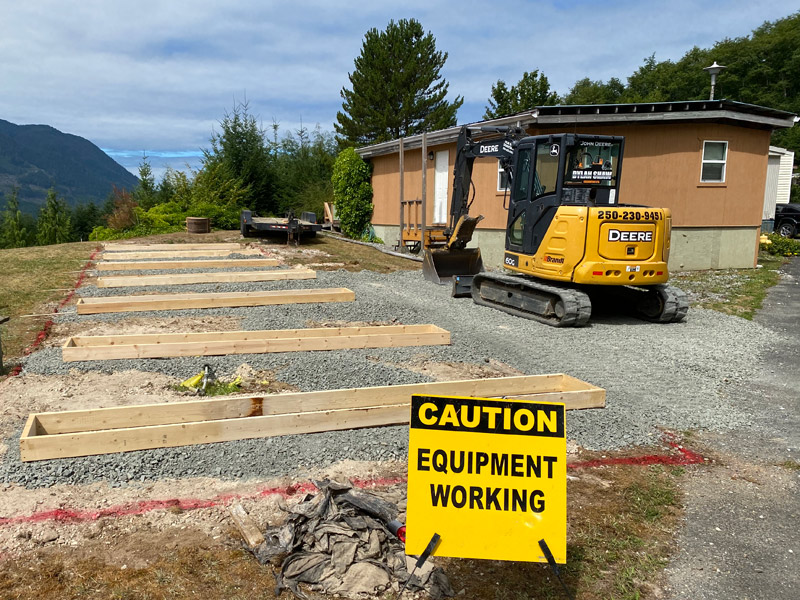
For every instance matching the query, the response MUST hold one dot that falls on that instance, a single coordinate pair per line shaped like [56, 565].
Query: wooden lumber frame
[115, 281]
[174, 254]
[112, 247]
[112, 304]
[186, 264]
[128, 428]
[164, 345]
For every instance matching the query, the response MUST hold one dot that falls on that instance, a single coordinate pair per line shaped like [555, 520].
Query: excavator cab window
[592, 163]
[522, 176]
[546, 174]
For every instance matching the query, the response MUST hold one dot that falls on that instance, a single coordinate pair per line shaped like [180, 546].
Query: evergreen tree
[54, 225]
[146, 194]
[532, 90]
[13, 233]
[85, 217]
[242, 150]
[397, 87]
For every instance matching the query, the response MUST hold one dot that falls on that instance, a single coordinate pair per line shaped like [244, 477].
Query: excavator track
[662, 304]
[549, 304]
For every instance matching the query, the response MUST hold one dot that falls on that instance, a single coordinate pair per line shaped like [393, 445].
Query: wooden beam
[112, 247]
[186, 264]
[211, 277]
[163, 345]
[174, 254]
[126, 428]
[111, 304]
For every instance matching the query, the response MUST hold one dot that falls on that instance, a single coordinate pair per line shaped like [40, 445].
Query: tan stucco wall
[661, 167]
[699, 248]
[693, 248]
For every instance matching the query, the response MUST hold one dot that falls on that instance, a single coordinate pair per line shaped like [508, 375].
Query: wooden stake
[247, 527]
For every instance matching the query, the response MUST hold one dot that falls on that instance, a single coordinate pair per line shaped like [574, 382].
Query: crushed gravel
[677, 376]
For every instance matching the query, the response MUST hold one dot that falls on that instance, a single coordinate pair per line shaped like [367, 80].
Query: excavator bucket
[440, 265]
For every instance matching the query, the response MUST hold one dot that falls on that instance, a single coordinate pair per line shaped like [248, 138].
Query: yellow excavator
[568, 241]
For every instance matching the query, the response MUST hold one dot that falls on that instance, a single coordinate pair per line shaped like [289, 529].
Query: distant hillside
[38, 157]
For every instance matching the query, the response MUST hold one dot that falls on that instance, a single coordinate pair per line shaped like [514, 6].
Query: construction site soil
[677, 377]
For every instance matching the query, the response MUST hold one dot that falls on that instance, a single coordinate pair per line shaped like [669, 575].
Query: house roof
[746, 115]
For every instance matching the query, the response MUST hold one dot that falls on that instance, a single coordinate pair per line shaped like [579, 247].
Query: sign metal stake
[554, 566]
[421, 560]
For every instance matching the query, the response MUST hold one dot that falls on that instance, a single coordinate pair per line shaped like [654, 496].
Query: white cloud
[157, 76]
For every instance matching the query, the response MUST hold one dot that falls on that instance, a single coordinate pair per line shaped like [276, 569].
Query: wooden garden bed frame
[210, 277]
[112, 304]
[186, 264]
[164, 345]
[175, 254]
[112, 247]
[123, 429]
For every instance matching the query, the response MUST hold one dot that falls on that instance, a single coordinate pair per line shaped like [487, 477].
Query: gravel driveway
[679, 376]
[741, 535]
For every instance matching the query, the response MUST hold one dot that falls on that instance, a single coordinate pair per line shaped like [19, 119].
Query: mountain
[38, 157]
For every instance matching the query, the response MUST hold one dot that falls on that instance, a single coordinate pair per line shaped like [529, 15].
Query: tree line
[396, 90]
[246, 166]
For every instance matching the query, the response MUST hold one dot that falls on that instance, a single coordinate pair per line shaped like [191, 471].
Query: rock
[46, 536]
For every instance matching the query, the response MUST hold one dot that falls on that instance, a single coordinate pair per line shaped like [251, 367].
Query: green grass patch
[792, 465]
[738, 292]
[34, 280]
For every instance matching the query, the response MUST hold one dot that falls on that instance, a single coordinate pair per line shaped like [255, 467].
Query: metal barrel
[440, 265]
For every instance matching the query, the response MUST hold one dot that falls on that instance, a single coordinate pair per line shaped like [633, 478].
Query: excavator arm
[462, 225]
[453, 258]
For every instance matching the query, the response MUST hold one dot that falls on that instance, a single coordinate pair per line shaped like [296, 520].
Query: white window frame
[500, 173]
[723, 162]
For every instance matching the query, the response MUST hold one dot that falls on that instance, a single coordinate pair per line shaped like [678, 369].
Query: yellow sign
[489, 476]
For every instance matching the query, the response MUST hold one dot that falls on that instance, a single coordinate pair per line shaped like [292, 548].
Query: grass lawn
[738, 292]
[34, 280]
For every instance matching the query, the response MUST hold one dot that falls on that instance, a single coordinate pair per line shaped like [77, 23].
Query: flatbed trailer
[305, 226]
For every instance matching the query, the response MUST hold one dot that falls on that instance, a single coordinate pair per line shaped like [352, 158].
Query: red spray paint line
[145, 506]
[48, 325]
[65, 515]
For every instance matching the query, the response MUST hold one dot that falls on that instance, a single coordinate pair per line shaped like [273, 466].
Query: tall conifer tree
[397, 87]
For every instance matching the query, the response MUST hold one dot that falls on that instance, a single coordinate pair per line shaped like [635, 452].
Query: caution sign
[489, 476]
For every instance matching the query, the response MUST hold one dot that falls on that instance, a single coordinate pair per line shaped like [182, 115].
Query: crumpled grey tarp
[336, 541]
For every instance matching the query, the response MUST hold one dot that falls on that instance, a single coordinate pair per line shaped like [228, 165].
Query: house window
[715, 154]
[502, 177]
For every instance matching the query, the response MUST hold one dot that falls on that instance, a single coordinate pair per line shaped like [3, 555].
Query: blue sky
[157, 76]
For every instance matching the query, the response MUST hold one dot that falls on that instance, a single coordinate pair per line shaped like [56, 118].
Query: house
[704, 160]
[779, 184]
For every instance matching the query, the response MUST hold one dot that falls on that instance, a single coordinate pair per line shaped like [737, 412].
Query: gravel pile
[677, 376]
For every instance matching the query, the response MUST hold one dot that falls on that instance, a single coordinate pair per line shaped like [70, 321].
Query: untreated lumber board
[251, 533]
[111, 304]
[164, 345]
[111, 247]
[186, 264]
[211, 277]
[161, 255]
[126, 428]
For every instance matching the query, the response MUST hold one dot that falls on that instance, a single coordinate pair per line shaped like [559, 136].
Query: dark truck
[294, 228]
[787, 220]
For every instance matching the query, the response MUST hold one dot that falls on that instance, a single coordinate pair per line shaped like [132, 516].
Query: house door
[440, 181]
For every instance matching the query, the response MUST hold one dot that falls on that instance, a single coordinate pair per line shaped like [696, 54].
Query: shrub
[781, 246]
[352, 193]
